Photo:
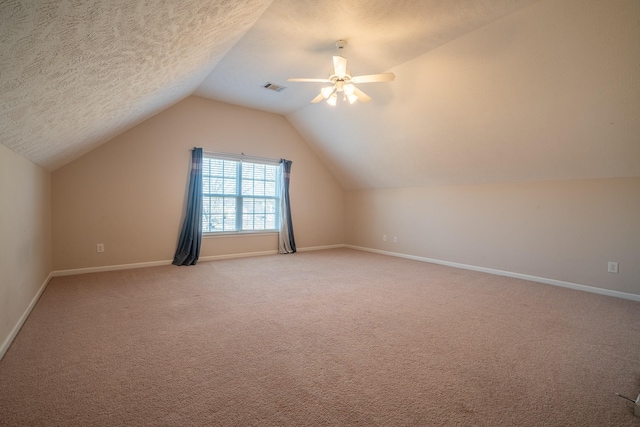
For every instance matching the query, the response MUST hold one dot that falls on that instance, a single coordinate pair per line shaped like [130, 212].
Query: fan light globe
[332, 100]
[349, 89]
[326, 91]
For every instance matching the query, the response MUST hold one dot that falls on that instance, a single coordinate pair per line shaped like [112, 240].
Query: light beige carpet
[327, 338]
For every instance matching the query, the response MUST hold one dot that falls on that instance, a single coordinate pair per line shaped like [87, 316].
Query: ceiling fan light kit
[342, 81]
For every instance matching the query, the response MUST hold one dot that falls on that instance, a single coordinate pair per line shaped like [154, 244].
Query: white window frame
[239, 197]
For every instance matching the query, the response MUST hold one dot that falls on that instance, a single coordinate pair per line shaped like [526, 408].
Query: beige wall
[130, 192]
[562, 230]
[25, 237]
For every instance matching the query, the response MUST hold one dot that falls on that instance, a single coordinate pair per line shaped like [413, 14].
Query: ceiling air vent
[275, 87]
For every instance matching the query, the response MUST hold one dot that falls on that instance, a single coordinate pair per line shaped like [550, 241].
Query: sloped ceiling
[485, 90]
[551, 92]
[74, 74]
[296, 38]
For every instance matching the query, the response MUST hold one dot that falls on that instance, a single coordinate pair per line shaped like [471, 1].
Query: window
[238, 195]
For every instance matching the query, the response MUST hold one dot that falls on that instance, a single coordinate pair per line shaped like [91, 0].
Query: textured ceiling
[485, 90]
[73, 74]
[296, 38]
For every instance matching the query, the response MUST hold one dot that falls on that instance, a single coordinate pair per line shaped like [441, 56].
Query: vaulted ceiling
[74, 74]
[485, 90]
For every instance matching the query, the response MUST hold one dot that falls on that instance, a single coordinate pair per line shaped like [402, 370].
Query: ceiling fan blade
[301, 79]
[340, 66]
[362, 97]
[317, 99]
[370, 78]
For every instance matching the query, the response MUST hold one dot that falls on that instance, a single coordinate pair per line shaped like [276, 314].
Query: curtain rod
[241, 156]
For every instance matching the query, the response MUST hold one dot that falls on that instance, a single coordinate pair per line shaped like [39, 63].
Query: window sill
[238, 233]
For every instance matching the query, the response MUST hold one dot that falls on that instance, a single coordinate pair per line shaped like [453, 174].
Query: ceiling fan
[342, 81]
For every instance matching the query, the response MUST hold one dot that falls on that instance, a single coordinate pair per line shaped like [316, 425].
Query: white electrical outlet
[395, 239]
[613, 267]
[384, 237]
[100, 247]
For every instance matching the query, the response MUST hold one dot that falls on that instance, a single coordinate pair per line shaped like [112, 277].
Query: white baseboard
[576, 286]
[7, 342]
[86, 270]
[100, 269]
